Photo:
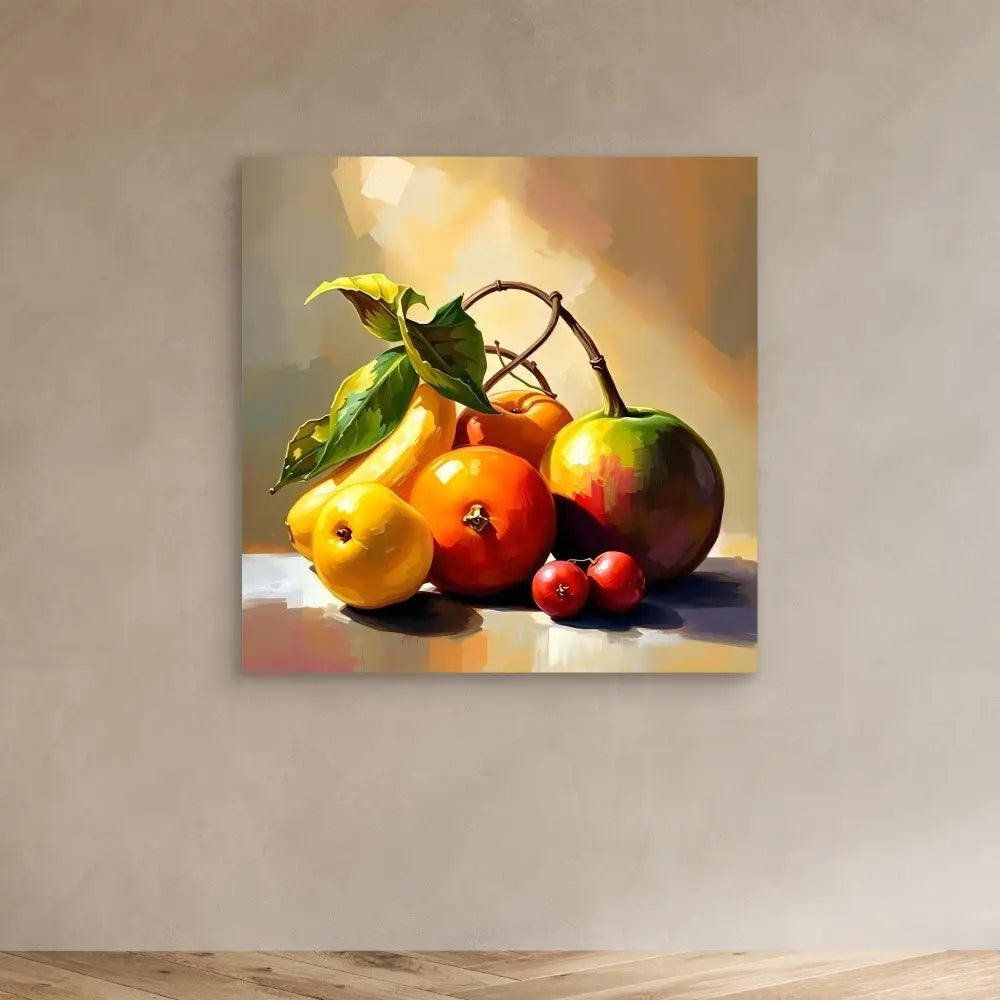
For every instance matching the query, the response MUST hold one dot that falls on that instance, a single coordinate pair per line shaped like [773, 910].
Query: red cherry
[616, 581]
[560, 589]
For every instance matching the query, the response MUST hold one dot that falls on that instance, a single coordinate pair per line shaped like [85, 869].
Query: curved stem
[505, 352]
[614, 405]
[528, 351]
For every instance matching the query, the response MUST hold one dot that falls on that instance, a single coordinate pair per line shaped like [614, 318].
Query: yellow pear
[370, 548]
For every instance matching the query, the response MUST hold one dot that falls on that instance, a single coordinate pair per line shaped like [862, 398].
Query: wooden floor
[501, 975]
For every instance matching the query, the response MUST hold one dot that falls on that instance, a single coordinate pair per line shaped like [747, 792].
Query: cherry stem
[614, 405]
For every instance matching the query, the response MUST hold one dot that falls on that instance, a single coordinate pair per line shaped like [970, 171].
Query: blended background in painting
[657, 258]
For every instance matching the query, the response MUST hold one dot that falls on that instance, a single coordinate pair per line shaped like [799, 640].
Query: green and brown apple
[643, 483]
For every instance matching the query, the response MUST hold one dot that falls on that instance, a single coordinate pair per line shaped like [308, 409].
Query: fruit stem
[505, 352]
[614, 405]
[556, 303]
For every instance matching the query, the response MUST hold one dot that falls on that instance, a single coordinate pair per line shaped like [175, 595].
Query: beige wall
[153, 797]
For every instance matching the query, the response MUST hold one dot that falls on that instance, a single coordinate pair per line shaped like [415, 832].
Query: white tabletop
[706, 623]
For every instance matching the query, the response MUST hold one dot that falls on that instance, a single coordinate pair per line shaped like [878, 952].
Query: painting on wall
[499, 415]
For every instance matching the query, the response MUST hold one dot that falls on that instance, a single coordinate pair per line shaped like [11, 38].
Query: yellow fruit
[301, 518]
[370, 548]
[426, 431]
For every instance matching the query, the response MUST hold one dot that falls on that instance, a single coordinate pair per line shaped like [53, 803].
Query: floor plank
[304, 979]
[535, 965]
[662, 966]
[406, 968]
[147, 971]
[28, 979]
[470, 959]
[685, 976]
[960, 975]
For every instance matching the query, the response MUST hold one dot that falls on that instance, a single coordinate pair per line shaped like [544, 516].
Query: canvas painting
[499, 415]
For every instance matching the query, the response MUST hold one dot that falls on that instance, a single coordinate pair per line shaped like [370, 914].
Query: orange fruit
[492, 517]
[526, 424]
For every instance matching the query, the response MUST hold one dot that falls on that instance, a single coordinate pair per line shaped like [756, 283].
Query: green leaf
[367, 408]
[301, 451]
[376, 299]
[448, 353]
[452, 332]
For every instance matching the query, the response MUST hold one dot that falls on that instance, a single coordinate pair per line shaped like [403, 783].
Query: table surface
[705, 623]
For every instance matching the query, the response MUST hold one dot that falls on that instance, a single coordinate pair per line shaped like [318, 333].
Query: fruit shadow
[516, 599]
[649, 614]
[716, 603]
[425, 614]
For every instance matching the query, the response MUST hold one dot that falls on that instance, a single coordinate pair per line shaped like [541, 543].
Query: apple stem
[614, 405]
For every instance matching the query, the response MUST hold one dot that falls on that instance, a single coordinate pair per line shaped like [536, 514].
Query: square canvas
[499, 415]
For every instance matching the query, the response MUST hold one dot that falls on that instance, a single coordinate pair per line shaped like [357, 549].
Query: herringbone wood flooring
[501, 975]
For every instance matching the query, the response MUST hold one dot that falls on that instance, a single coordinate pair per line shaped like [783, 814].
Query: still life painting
[499, 415]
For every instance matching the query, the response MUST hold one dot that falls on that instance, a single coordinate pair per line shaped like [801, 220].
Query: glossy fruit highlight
[492, 517]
